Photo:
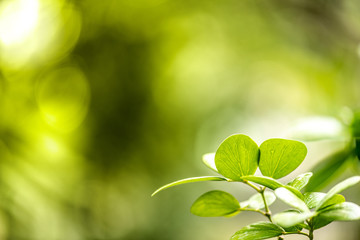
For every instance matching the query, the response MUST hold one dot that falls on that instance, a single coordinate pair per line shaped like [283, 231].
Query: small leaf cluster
[237, 159]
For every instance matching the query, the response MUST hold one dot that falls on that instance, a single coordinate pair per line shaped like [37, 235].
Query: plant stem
[253, 210]
[311, 233]
[311, 230]
[298, 232]
[252, 185]
[267, 210]
[261, 190]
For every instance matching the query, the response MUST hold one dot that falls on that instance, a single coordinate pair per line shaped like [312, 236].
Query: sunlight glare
[17, 20]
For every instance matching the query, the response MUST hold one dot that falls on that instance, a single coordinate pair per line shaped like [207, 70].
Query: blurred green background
[101, 102]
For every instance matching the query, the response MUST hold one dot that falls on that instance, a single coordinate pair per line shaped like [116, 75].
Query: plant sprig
[237, 159]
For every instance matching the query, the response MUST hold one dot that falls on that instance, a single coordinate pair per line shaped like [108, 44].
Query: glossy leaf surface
[345, 211]
[258, 231]
[256, 201]
[312, 199]
[237, 156]
[215, 204]
[338, 188]
[289, 219]
[294, 191]
[301, 181]
[291, 199]
[279, 157]
[209, 160]
[264, 181]
[190, 180]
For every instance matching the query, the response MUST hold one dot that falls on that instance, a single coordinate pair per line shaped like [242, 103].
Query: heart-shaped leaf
[345, 211]
[256, 201]
[279, 157]
[291, 199]
[289, 219]
[215, 204]
[301, 181]
[190, 180]
[209, 160]
[338, 188]
[237, 156]
[258, 231]
[312, 199]
[265, 181]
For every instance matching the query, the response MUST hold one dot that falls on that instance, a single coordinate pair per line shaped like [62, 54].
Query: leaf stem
[267, 210]
[252, 185]
[311, 230]
[253, 210]
[298, 232]
[260, 190]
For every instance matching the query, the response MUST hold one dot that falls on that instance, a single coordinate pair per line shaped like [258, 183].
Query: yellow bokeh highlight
[34, 32]
[63, 97]
[51, 145]
[18, 20]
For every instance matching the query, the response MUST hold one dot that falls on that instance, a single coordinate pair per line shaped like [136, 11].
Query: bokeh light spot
[34, 32]
[51, 145]
[63, 98]
[18, 19]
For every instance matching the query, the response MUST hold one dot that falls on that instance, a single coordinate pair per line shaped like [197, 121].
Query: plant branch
[252, 185]
[298, 232]
[260, 190]
[253, 210]
[311, 230]
[267, 210]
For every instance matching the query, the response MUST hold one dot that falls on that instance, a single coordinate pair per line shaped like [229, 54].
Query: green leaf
[327, 170]
[256, 201]
[320, 221]
[237, 156]
[301, 181]
[296, 227]
[312, 199]
[291, 199]
[190, 180]
[209, 160]
[258, 231]
[338, 188]
[345, 211]
[294, 191]
[215, 204]
[290, 219]
[279, 157]
[265, 181]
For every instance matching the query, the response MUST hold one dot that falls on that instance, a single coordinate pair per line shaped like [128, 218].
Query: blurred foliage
[103, 101]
